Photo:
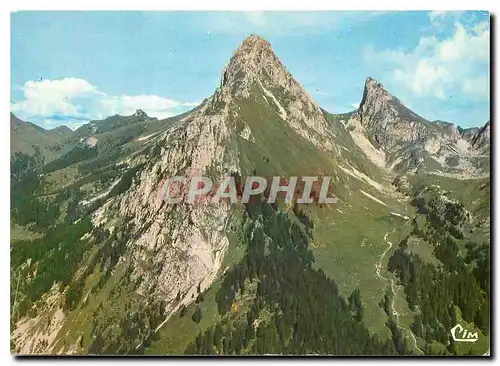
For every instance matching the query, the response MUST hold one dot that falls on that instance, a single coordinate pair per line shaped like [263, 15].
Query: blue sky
[71, 67]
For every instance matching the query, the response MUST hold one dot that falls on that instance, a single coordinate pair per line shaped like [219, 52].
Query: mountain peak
[370, 80]
[255, 72]
[253, 59]
[389, 121]
[139, 113]
[481, 140]
[374, 89]
[254, 52]
[378, 101]
[254, 42]
[61, 130]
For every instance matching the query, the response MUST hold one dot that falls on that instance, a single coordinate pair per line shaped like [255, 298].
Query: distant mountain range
[400, 139]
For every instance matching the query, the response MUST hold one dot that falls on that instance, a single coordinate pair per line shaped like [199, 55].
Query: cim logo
[460, 334]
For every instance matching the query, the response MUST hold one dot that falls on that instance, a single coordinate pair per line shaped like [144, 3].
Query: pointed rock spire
[390, 123]
[255, 72]
[139, 113]
[481, 139]
[253, 59]
[378, 104]
[374, 95]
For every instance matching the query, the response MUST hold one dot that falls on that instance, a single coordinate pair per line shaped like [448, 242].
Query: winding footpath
[379, 266]
[392, 281]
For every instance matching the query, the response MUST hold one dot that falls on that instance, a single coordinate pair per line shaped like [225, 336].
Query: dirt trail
[379, 266]
[392, 281]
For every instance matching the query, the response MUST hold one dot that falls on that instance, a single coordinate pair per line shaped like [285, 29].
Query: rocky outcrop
[411, 143]
[402, 184]
[468, 133]
[181, 246]
[391, 124]
[139, 113]
[481, 140]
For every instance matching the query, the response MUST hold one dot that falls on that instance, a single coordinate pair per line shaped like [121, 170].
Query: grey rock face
[391, 124]
[411, 143]
[402, 184]
[468, 133]
[141, 114]
[481, 140]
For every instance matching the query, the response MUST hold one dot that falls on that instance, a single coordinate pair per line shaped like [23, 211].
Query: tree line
[307, 313]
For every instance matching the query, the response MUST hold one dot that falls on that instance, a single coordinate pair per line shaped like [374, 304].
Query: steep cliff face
[468, 133]
[481, 139]
[196, 144]
[411, 143]
[391, 124]
[478, 137]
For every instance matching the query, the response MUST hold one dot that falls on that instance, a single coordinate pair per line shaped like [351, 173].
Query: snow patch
[373, 198]
[147, 137]
[353, 172]
[399, 215]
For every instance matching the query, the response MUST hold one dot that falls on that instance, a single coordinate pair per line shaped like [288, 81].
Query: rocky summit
[102, 264]
[408, 142]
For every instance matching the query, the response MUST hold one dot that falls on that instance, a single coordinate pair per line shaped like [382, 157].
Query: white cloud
[442, 67]
[355, 105]
[256, 18]
[276, 23]
[74, 101]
